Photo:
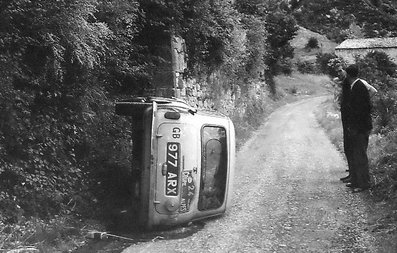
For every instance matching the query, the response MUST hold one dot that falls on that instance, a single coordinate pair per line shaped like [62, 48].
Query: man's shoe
[348, 180]
[351, 185]
[358, 189]
[344, 178]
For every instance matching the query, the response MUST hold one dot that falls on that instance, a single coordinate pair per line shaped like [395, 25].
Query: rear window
[213, 167]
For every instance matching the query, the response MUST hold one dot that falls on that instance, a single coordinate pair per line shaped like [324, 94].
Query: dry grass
[328, 116]
[303, 84]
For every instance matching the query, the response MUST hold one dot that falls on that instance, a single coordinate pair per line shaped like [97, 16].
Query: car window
[213, 167]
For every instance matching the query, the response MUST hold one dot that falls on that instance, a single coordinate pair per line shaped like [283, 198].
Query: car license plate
[187, 192]
[172, 177]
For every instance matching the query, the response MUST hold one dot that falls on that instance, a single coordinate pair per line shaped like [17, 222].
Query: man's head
[352, 72]
[341, 72]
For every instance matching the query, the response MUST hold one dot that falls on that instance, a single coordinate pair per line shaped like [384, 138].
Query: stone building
[351, 48]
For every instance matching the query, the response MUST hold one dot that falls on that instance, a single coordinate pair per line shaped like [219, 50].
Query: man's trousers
[358, 142]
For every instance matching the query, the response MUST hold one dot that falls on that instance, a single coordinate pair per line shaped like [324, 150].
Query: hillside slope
[300, 40]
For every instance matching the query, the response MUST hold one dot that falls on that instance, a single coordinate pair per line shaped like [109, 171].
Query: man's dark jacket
[344, 103]
[359, 108]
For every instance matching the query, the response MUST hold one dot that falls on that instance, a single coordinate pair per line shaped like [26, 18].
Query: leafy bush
[285, 66]
[337, 35]
[250, 112]
[312, 43]
[306, 67]
[327, 63]
[39, 167]
[378, 69]
[54, 110]
[383, 160]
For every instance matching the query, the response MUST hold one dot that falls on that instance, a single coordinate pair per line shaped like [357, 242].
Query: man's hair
[352, 70]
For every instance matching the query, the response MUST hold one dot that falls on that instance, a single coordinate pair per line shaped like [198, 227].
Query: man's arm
[370, 88]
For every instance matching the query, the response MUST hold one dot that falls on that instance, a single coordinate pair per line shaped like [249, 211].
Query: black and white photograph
[198, 126]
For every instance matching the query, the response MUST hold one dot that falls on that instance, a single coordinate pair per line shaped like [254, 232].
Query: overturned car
[185, 161]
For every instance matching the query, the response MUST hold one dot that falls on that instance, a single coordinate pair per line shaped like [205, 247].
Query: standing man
[359, 125]
[343, 100]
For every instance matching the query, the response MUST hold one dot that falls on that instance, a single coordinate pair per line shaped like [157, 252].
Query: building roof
[368, 43]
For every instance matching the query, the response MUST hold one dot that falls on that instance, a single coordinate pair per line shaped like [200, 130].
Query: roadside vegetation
[340, 19]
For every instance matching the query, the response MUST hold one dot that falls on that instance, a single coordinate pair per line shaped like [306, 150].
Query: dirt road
[287, 197]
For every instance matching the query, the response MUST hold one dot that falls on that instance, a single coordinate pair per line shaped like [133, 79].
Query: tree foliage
[213, 32]
[52, 54]
[378, 69]
[376, 18]
[279, 28]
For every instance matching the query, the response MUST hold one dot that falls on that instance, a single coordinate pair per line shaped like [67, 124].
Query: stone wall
[196, 93]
